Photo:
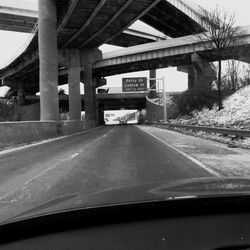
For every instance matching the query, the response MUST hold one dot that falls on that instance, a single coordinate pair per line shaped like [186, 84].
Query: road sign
[134, 84]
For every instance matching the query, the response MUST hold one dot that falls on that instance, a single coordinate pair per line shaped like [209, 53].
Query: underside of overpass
[107, 101]
[69, 34]
[104, 102]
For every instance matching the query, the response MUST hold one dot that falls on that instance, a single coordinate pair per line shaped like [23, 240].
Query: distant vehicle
[123, 122]
[102, 91]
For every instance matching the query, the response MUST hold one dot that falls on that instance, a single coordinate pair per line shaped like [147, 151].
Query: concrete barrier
[18, 133]
[70, 127]
[154, 112]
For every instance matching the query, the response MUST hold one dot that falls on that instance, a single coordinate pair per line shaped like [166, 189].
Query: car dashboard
[210, 223]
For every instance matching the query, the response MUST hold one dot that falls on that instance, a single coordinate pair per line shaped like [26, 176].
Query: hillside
[235, 114]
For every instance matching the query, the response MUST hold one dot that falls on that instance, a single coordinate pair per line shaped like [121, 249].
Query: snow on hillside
[236, 113]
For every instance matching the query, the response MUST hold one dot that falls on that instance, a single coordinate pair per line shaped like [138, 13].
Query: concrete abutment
[200, 73]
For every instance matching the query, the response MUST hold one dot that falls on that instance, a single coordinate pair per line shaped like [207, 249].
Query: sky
[11, 42]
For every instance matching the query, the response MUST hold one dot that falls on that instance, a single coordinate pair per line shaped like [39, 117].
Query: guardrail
[224, 131]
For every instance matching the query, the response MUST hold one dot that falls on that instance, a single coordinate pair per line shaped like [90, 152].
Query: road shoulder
[215, 157]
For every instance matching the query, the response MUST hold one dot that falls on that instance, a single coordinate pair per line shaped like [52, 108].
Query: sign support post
[164, 101]
[163, 95]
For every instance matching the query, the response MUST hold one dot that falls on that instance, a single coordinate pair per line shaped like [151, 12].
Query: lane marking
[74, 155]
[211, 171]
[21, 186]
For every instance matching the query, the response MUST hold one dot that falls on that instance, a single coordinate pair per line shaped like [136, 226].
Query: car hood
[181, 189]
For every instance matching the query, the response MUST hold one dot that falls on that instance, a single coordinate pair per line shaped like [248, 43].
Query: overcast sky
[11, 42]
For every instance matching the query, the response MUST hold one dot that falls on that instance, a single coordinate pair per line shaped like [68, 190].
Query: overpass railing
[217, 130]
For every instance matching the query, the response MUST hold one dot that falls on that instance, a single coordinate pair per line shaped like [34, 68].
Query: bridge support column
[205, 71]
[192, 78]
[100, 114]
[75, 106]
[152, 74]
[90, 98]
[21, 94]
[88, 57]
[192, 75]
[200, 73]
[48, 60]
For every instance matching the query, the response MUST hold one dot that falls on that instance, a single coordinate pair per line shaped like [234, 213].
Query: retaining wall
[18, 133]
[29, 112]
[70, 127]
[154, 111]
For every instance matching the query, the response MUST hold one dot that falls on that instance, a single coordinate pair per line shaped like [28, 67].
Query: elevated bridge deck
[133, 100]
[173, 52]
[75, 29]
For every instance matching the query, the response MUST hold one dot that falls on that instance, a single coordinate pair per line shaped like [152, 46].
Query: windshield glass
[122, 102]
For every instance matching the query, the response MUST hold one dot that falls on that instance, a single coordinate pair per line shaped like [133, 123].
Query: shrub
[195, 100]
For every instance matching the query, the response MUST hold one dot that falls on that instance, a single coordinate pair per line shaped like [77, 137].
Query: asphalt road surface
[110, 157]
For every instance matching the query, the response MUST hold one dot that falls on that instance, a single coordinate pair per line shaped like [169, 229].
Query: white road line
[22, 185]
[211, 171]
[74, 155]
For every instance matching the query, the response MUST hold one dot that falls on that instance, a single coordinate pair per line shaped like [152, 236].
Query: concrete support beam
[152, 83]
[48, 60]
[100, 114]
[88, 57]
[21, 94]
[206, 69]
[192, 75]
[75, 107]
[200, 73]
[90, 98]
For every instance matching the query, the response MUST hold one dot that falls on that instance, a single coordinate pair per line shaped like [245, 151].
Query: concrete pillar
[205, 72]
[75, 106]
[152, 74]
[100, 113]
[192, 78]
[88, 57]
[48, 60]
[198, 79]
[90, 98]
[192, 75]
[21, 94]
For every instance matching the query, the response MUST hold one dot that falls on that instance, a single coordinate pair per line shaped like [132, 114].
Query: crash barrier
[18, 133]
[217, 130]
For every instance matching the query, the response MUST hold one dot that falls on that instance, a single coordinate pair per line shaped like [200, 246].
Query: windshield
[122, 102]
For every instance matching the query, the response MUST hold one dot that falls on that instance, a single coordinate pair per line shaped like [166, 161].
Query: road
[110, 157]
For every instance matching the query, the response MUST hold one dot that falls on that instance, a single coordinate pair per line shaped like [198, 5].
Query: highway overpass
[180, 51]
[163, 17]
[76, 31]
[106, 101]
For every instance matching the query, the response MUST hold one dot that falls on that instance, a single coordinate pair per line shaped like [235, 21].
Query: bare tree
[233, 70]
[221, 35]
[245, 80]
